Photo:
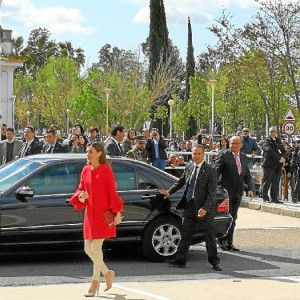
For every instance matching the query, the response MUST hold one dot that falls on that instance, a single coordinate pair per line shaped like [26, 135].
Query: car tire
[161, 238]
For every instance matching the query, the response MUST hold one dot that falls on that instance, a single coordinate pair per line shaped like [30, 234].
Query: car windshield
[15, 171]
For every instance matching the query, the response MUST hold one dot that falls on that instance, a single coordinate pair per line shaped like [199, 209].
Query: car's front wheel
[161, 238]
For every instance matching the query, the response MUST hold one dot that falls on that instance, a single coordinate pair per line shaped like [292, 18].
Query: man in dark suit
[30, 146]
[199, 204]
[232, 172]
[52, 146]
[272, 163]
[112, 146]
[10, 147]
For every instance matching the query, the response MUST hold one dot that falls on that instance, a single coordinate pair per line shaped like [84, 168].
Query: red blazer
[101, 186]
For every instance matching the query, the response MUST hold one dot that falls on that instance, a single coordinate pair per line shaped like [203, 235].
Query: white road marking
[140, 292]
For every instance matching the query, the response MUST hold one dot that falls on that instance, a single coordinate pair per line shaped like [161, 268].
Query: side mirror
[24, 192]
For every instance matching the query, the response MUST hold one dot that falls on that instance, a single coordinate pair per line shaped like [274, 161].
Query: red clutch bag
[108, 218]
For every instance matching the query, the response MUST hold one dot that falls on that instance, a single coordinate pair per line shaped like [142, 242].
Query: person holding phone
[156, 147]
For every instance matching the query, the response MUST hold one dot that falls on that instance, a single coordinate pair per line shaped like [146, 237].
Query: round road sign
[288, 128]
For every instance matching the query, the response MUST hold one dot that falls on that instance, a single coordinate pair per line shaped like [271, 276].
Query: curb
[288, 209]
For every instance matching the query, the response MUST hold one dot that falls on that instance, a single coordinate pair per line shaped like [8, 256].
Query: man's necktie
[22, 154]
[120, 148]
[190, 190]
[50, 149]
[238, 163]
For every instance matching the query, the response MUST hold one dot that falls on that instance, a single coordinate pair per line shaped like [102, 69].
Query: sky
[90, 24]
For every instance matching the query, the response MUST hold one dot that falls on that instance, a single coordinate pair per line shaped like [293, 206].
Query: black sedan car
[34, 193]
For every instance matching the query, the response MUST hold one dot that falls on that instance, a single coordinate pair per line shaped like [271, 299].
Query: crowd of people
[230, 161]
[150, 147]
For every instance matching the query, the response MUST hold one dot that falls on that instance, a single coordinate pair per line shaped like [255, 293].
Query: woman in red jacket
[97, 194]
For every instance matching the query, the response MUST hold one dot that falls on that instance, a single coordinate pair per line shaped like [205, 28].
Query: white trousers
[93, 248]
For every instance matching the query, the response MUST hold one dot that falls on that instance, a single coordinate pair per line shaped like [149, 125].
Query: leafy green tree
[53, 90]
[39, 50]
[199, 104]
[275, 33]
[23, 85]
[120, 60]
[180, 119]
[161, 114]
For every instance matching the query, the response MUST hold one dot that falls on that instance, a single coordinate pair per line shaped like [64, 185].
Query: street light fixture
[13, 111]
[107, 93]
[213, 83]
[171, 103]
[28, 117]
[68, 122]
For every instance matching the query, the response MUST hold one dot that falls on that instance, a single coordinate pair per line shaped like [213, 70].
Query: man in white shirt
[199, 204]
[30, 146]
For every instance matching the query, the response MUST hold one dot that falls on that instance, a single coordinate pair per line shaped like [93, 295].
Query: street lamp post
[28, 117]
[213, 85]
[171, 103]
[68, 122]
[13, 111]
[107, 93]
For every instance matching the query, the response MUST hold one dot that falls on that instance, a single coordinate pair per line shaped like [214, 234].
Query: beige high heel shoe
[109, 276]
[93, 290]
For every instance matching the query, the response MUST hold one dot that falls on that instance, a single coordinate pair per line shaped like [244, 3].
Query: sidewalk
[231, 289]
[287, 208]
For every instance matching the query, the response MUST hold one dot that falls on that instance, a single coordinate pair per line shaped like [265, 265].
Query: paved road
[268, 267]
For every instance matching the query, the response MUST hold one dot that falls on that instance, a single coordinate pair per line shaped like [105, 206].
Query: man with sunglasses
[250, 147]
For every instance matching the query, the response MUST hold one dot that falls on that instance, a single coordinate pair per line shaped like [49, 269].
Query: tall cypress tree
[158, 36]
[164, 33]
[190, 72]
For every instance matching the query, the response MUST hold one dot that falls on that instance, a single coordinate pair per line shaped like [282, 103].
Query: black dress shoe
[266, 200]
[232, 248]
[217, 267]
[222, 245]
[175, 263]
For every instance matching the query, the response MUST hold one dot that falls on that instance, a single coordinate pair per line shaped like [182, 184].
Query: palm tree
[66, 50]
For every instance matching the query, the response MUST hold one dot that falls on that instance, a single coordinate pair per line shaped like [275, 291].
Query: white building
[8, 64]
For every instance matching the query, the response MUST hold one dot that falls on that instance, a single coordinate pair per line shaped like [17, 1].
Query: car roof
[49, 158]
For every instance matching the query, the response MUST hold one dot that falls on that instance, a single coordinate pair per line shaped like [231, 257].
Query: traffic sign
[289, 116]
[289, 127]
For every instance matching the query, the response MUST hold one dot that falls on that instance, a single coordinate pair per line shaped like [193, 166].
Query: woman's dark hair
[81, 128]
[226, 140]
[131, 129]
[99, 147]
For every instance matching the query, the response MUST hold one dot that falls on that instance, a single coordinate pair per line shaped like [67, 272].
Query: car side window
[56, 180]
[145, 183]
[125, 177]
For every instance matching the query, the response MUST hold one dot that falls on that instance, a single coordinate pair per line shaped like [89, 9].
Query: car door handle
[148, 196]
[67, 200]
